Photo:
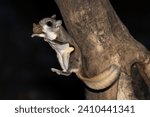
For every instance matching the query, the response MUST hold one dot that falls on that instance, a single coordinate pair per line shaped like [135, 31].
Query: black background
[25, 62]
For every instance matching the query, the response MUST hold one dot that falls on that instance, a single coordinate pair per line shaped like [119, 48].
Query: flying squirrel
[69, 55]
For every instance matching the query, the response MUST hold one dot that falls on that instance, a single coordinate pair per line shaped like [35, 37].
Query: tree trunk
[104, 40]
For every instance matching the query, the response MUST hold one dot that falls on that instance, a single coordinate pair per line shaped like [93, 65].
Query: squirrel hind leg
[60, 72]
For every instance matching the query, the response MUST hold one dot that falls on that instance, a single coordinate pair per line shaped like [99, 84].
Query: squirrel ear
[58, 23]
[53, 16]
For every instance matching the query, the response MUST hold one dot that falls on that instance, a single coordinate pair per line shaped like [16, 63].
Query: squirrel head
[48, 26]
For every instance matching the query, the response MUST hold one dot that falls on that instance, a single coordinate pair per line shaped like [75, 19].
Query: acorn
[37, 29]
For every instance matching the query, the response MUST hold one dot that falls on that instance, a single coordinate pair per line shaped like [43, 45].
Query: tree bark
[104, 40]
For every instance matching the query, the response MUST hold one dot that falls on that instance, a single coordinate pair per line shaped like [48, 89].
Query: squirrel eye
[49, 23]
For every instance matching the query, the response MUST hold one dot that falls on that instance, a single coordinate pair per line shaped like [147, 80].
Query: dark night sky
[25, 62]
